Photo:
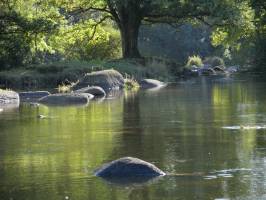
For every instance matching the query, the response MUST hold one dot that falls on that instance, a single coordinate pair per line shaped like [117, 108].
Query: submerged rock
[106, 79]
[94, 90]
[33, 94]
[8, 97]
[128, 167]
[65, 99]
[151, 83]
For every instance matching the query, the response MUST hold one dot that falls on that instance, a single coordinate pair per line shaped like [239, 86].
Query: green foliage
[63, 88]
[82, 42]
[131, 84]
[34, 31]
[194, 60]
[214, 61]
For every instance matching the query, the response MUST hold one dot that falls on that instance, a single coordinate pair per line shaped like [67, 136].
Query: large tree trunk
[128, 16]
[129, 36]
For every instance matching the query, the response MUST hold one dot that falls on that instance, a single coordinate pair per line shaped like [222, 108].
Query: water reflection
[178, 128]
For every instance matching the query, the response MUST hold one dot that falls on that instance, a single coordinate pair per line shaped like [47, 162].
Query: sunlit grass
[194, 60]
[131, 84]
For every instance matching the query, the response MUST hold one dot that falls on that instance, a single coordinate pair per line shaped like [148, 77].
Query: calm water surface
[213, 127]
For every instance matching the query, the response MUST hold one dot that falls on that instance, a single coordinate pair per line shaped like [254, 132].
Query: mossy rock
[106, 79]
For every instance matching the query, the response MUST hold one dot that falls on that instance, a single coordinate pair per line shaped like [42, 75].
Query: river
[213, 130]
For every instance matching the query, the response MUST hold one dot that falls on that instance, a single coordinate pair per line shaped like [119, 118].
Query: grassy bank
[54, 74]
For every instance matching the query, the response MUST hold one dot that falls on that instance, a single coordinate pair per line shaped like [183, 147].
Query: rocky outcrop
[33, 94]
[128, 167]
[151, 83]
[94, 90]
[106, 79]
[8, 97]
[65, 99]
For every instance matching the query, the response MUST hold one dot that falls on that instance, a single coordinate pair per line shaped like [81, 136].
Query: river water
[208, 135]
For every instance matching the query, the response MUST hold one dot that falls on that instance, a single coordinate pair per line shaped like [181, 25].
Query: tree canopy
[231, 20]
[86, 29]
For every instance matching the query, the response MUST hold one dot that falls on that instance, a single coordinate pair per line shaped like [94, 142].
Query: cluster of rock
[92, 85]
[207, 70]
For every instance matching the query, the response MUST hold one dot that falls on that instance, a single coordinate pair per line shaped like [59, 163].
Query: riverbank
[54, 74]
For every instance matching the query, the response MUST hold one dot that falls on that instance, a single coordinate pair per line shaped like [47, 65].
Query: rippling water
[206, 134]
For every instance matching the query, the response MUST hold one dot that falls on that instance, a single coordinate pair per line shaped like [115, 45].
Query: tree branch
[97, 24]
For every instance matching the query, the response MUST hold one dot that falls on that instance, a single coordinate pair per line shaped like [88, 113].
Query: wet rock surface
[128, 167]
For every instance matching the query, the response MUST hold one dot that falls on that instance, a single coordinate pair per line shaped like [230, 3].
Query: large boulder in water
[94, 90]
[128, 167]
[65, 99]
[151, 83]
[8, 97]
[106, 79]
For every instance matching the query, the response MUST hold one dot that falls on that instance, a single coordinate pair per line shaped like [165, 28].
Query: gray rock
[33, 94]
[8, 97]
[207, 71]
[65, 99]
[90, 96]
[151, 83]
[220, 69]
[94, 90]
[106, 79]
[128, 167]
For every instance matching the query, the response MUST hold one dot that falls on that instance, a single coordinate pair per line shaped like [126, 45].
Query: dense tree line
[35, 31]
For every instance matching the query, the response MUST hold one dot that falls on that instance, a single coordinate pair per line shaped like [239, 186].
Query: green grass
[131, 84]
[194, 60]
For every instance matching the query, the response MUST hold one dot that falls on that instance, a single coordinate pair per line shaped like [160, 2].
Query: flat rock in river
[94, 90]
[65, 99]
[33, 94]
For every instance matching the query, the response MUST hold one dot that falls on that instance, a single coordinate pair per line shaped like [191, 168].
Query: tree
[228, 16]
[260, 36]
[23, 30]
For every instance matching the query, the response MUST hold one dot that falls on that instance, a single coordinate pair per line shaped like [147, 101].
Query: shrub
[131, 84]
[194, 60]
[63, 88]
[214, 61]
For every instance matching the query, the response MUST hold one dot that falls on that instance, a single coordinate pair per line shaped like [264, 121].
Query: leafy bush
[131, 84]
[194, 60]
[214, 61]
